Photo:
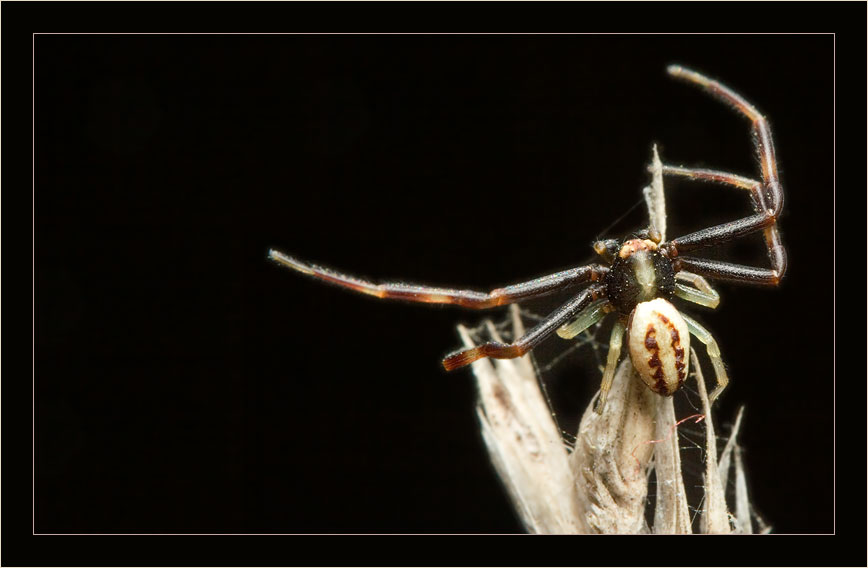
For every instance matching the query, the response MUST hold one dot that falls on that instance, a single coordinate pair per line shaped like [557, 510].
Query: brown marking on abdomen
[654, 361]
[676, 347]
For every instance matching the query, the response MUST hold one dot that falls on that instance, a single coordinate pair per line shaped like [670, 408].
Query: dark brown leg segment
[529, 340]
[722, 233]
[763, 220]
[755, 187]
[726, 271]
[467, 298]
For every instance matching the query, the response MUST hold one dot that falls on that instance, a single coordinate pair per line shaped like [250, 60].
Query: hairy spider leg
[719, 270]
[498, 350]
[715, 176]
[700, 293]
[713, 351]
[758, 197]
[763, 136]
[724, 232]
[768, 198]
[467, 298]
[615, 341]
[586, 318]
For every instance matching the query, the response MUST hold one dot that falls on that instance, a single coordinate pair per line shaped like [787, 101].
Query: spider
[637, 279]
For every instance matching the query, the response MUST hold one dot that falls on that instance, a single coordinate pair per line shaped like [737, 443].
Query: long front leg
[755, 187]
[768, 196]
[762, 133]
[467, 298]
[498, 350]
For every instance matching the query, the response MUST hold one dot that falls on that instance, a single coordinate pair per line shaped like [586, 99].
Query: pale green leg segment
[701, 293]
[585, 319]
[611, 363]
[713, 350]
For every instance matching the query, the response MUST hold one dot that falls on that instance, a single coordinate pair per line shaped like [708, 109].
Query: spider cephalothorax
[639, 272]
[638, 279]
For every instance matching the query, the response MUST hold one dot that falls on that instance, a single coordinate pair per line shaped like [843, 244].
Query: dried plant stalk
[715, 517]
[610, 459]
[524, 443]
[671, 516]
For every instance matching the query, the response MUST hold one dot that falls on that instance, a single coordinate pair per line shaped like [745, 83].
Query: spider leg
[714, 176]
[767, 196]
[586, 318]
[763, 136]
[498, 350]
[755, 187]
[701, 293]
[722, 233]
[467, 298]
[758, 197]
[726, 232]
[720, 270]
[713, 351]
[615, 341]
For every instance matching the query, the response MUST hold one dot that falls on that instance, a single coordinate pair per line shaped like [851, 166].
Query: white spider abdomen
[659, 343]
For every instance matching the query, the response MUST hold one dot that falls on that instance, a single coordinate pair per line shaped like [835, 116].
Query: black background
[185, 384]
